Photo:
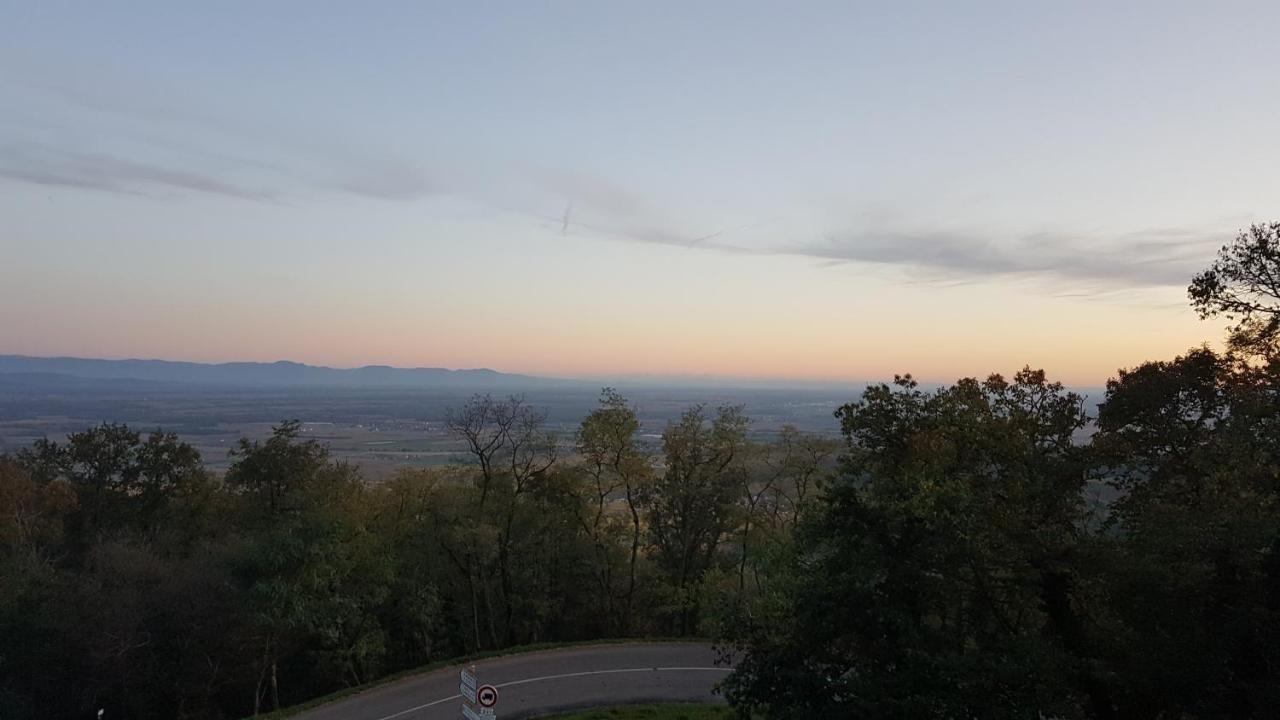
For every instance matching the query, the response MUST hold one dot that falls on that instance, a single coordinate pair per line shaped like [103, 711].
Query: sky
[809, 191]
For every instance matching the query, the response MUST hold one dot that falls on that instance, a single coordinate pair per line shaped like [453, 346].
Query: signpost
[478, 700]
[467, 686]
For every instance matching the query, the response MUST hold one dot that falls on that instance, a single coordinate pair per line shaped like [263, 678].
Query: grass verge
[292, 710]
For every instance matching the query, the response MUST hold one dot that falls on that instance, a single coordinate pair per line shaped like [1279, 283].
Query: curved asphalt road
[538, 683]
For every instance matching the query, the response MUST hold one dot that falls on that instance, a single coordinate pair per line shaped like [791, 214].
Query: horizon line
[606, 378]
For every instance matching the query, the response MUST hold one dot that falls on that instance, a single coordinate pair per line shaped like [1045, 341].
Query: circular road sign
[487, 696]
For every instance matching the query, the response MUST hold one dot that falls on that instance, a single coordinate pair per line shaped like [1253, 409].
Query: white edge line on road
[606, 672]
[421, 707]
[558, 677]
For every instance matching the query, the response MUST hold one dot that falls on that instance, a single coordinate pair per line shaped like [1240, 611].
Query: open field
[380, 429]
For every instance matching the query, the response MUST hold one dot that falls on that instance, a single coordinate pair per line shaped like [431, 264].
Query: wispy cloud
[1149, 258]
[190, 143]
[43, 165]
[1088, 263]
[1092, 264]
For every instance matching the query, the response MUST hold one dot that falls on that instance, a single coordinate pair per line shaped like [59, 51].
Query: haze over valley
[381, 418]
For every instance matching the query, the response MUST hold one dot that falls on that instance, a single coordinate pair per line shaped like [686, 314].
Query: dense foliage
[972, 561]
[135, 580]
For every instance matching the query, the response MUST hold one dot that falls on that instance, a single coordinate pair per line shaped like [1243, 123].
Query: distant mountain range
[243, 374]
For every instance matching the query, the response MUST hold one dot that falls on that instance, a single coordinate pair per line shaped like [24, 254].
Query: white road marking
[606, 672]
[402, 713]
[421, 707]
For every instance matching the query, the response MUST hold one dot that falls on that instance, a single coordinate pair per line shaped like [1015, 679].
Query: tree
[167, 468]
[1243, 285]
[936, 581]
[45, 461]
[784, 478]
[797, 464]
[119, 478]
[609, 444]
[311, 572]
[85, 616]
[1192, 561]
[101, 463]
[31, 513]
[33, 590]
[406, 514]
[691, 506]
[274, 472]
[513, 450]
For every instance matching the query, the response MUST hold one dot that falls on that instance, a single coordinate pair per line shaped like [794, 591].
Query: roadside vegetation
[957, 555]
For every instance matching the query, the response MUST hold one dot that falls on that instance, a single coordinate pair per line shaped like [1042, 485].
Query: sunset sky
[824, 191]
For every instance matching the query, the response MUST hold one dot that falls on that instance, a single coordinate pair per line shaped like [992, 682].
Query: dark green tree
[1192, 565]
[119, 478]
[936, 581]
[313, 575]
[275, 472]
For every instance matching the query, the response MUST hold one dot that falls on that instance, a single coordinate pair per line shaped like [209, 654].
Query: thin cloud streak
[1092, 264]
[1146, 259]
[36, 164]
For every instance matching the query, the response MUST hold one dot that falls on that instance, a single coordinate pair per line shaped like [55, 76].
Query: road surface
[538, 683]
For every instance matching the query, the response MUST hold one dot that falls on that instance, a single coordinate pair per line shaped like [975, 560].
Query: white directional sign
[477, 700]
[467, 686]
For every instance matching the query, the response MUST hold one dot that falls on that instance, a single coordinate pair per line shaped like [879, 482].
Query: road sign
[467, 684]
[477, 700]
